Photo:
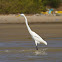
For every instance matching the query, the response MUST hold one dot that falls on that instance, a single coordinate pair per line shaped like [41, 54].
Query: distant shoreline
[8, 19]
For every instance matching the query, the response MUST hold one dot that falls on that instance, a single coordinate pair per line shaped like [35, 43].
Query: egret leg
[36, 48]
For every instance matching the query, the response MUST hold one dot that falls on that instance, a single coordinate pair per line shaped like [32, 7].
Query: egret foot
[36, 48]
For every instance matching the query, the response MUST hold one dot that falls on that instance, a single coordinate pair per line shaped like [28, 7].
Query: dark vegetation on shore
[26, 6]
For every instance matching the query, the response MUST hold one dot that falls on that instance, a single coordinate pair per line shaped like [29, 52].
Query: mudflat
[18, 32]
[31, 19]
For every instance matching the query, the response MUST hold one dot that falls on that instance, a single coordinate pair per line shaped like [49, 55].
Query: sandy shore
[31, 19]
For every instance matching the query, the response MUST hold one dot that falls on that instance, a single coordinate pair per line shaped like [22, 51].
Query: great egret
[35, 36]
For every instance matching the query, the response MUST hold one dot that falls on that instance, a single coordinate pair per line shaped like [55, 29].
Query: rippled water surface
[16, 44]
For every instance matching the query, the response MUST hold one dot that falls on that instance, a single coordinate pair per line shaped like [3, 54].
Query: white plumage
[35, 36]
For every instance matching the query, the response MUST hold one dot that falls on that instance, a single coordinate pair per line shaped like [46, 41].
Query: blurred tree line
[26, 6]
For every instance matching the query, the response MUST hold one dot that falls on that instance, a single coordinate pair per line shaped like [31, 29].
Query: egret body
[36, 37]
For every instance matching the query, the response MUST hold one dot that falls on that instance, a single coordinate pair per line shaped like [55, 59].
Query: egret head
[21, 14]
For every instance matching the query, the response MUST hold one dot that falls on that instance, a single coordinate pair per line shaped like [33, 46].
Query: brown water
[16, 44]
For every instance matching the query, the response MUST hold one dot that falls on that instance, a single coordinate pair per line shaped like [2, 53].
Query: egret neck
[27, 24]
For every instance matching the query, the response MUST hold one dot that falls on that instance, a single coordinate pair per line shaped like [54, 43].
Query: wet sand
[31, 19]
[13, 32]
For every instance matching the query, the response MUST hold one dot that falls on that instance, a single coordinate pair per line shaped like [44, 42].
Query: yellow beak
[18, 15]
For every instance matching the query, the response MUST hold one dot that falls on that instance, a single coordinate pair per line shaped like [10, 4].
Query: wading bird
[36, 37]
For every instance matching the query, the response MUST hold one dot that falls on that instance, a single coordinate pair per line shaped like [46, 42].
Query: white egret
[35, 36]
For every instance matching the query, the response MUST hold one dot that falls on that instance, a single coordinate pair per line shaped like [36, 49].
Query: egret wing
[37, 38]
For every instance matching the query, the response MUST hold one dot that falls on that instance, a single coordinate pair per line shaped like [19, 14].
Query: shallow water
[16, 44]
